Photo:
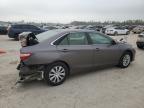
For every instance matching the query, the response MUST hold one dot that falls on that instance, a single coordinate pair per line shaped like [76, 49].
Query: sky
[65, 11]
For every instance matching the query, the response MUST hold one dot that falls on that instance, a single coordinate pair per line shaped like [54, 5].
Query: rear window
[46, 35]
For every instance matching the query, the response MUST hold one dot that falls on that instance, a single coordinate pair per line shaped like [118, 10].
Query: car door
[119, 31]
[76, 51]
[17, 29]
[105, 51]
[123, 30]
[25, 28]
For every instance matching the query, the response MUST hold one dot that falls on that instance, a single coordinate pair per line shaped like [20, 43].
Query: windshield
[46, 35]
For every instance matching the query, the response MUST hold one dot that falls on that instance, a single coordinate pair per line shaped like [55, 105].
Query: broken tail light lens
[25, 56]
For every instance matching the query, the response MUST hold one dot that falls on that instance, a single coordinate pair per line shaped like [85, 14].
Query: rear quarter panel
[40, 55]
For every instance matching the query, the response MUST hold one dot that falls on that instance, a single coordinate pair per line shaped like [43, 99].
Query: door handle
[97, 49]
[64, 50]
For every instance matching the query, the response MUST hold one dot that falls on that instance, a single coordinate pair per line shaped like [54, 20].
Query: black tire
[16, 37]
[125, 64]
[140, 47]
[51, 78]
[115, 33]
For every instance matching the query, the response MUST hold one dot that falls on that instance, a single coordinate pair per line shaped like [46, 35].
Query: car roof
[59, 32]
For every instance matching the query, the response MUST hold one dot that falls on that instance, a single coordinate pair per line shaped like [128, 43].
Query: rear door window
[64, 41]
[77, 39]
[74, 39]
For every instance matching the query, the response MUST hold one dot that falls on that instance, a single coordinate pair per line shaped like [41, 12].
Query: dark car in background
[140, 41]
[3, 30]
[94, 27]
[62, 51]
[16, 29]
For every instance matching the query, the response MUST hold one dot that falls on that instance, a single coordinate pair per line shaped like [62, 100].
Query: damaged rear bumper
[29, 73]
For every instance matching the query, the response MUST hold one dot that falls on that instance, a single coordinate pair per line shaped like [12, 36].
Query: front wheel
[125, 60]
[140, 46]
[56, 73]
[115, 33]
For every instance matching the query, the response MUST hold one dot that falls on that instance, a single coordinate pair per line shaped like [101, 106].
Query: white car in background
[117, 31]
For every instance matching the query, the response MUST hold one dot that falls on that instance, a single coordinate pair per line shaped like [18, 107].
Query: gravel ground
[106, 88]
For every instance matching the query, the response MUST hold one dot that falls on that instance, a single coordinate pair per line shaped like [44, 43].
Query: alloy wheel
[57, 74]
[126, 60]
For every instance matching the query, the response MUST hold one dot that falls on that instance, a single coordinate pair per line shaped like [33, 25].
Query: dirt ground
[107, 88]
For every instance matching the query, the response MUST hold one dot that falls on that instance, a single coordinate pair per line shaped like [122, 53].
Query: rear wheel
[125, 60]
[140, 46]
[56, 73]
[116, 33]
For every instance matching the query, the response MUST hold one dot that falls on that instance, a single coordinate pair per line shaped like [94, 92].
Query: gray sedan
[63, 51]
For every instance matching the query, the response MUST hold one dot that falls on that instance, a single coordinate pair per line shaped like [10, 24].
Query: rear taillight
[25, 56]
